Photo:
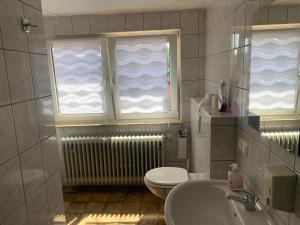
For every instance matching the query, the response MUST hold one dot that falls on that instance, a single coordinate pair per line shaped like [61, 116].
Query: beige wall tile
[32, 170]
[34, 3]
[98, 24]
[8, 145]
[63, 25]
[116, 23]
[189, 46]
[152, 21]
[171, 20]
[19, 217]
[277, 15]
[81, 24]
[54, 193]
[14, 195]
[26, 124]
[49, 25]
[294, 14]
[189, 21]
[19, 75]
[13, 36]
[134, 22]
[4, 90]
[189, 69]
[45, 117]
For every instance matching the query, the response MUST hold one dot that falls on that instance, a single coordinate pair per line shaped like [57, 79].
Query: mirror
[274, 75]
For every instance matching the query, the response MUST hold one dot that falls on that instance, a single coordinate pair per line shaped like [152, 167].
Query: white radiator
[110, 160]
[287, 139]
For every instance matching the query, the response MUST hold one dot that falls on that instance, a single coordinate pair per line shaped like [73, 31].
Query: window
[274, 71]
[116, 78]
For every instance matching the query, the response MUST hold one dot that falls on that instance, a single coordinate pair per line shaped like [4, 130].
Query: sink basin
[205, 203]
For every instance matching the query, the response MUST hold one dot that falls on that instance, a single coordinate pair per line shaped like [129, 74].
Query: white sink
[205, 203]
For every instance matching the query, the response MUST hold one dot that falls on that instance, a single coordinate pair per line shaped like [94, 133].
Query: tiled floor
[114, 207]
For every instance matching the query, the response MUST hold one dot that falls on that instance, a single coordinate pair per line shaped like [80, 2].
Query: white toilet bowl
[162, 180]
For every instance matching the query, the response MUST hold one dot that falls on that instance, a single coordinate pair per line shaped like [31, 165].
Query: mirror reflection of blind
[142, 74]
[79, 78]
[274, 69]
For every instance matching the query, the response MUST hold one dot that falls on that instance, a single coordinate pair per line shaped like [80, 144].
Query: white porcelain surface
[204, 202]
[167, 176]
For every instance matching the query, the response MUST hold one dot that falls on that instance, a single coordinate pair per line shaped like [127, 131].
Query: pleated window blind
[274, 70]
[79, 77]
[116, 78]
[142, 72]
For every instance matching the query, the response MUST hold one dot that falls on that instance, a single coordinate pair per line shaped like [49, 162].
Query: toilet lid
[167, 176]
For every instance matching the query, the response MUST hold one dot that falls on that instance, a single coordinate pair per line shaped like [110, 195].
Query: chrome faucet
[248, 200]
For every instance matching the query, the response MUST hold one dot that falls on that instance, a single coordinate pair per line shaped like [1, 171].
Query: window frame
[112, 115]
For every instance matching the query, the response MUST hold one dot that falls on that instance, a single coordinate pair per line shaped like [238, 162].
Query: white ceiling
[84, 7]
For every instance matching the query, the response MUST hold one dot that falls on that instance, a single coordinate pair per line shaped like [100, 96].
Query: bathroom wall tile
[4, 90]
[171, 151]
[13, 36]
[294, 14]
[219, 169]
[19, 75]
[189, 46]
[26, 124]
[283, 154]
[189, 69]
[277, 15]
[98, 24]
[37, 208]
[45, 117]
[8, 145]
[32, 170]
[239, 27]
[116, 23]
[63, 25]
[54, 193]
[189, 21]
[11, 185]
[201, 66]
[134, 22]
[189, 89]
[260, 161]
[50, 156]
[81, 24]
[186, 111]
[171, 20]
[171, 132]
[152, 21]
[237, 67]
[34, 3]
[244, 159]
[202, 21]
[36, 37]
[223, 142]
[19, 217]
[40, 74]
[1, 46]
[261, 17]
[202, 39]
[295, 217]
[247, 66]
[49, 25]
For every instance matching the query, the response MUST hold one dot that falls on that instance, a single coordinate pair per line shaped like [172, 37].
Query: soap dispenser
[235, 177]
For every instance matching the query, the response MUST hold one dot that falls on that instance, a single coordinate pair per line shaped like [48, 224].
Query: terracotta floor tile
[82, 197]
[134, 197]
[149, 197]
[75, 207]
[73, 219]
[149, 207]
[117, 196]
[131, 207]
[94, 207]
[130, 218]
[68, 197]
[148, 219]
[100, 196]
[112, 207]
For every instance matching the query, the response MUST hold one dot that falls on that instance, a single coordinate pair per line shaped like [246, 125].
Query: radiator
[287, 139]
[110, 160]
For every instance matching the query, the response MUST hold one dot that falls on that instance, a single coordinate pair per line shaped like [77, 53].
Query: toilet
[160, 181]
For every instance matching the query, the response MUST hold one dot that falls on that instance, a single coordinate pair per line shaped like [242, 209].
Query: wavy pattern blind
[79, 78]
[143, 74]
[274, 69]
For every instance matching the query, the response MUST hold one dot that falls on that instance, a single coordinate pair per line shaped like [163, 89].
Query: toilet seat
[166, 177]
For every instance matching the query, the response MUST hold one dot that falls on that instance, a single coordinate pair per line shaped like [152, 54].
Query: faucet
[249, 200]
